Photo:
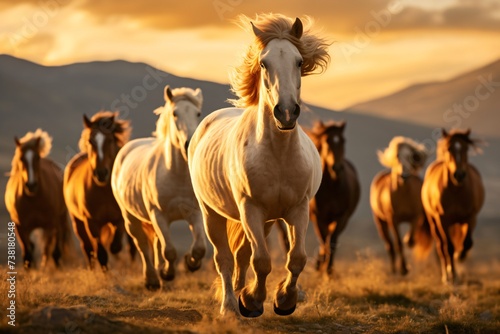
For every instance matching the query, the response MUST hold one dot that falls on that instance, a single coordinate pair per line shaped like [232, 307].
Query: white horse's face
[185, 118]
[281, 64]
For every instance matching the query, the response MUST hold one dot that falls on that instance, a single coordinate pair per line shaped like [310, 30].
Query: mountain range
[55, 99]
[470, 100]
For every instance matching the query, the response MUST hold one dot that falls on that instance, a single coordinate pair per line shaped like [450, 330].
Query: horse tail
[423, 240]
[235, 235]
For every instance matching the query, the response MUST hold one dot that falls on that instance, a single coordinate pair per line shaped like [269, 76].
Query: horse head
[183, 106]
[455, 148]
[102, 139]
[29, 151]
[29, 164]
[330, 142]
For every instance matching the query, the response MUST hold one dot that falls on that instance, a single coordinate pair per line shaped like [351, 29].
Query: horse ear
[297, 29]
[168, 93]
[467, 133]
[257, 32]
[342, 125]
[199, 95]
[444, 133]
[17, 141]
[86, 121]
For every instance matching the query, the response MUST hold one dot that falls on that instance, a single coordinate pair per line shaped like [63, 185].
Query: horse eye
[199, 114]
[299, 64]
[262, 66]
[175, 114]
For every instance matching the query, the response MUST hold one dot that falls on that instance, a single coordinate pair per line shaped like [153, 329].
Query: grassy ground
[362, 298]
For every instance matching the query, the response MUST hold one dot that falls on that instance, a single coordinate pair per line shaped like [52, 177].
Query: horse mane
[119, 127]
[245, 78]
[178, 94]
[29, 139]
[389, 156]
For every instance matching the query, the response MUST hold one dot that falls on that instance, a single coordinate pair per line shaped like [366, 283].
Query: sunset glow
[378, 46]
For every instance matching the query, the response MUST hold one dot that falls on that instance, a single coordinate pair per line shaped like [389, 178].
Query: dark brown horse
[34, 198]
[87, 189]
[395, 199]
[338, 194]
[452, 195]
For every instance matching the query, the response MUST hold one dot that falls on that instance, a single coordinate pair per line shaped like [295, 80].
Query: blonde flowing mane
[29, 139]
[119, 127]
[389, 157]
[245, 78]
[178, 94]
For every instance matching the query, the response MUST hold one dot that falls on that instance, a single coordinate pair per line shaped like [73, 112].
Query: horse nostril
[296, 111]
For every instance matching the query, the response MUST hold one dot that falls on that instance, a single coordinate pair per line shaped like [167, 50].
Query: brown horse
[452, 195]
[87, 188]
[395, 198]
[338, 194]
[34, 198]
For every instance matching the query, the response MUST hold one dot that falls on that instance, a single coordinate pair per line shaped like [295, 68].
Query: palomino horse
[87, 188]
[253, 165]
[34, 197]
[152, 185]
[338, 194]
[395, 198]
[452, 195]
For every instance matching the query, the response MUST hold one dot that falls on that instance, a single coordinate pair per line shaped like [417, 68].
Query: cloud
[338, 17]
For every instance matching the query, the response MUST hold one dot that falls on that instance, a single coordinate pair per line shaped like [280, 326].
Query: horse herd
[234, 174]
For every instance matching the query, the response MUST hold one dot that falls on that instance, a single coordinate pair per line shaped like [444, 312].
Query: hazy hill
[54, 98]
[468, 100]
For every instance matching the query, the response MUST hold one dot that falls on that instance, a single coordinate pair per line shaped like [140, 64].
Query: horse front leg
[85, 243]
[403, 269]
[285, 300]
[161, 225]
[321, 227]
[142, 241]
[383, 230]
[252, 297]
[215, 226]
[27, 246]
[441, 245]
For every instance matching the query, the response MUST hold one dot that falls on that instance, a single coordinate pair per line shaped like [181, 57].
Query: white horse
[253, 165]
[152, 185]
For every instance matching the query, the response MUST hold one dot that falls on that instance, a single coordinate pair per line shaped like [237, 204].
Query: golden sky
[379, 45]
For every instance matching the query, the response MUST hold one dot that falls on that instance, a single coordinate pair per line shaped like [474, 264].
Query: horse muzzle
[459, 175]
[286, 119]
[31, 187]
[101, 176]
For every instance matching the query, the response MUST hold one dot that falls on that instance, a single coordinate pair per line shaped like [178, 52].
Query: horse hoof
[153, 286]
[281, 312]
[191, 263]
[248, 313]
[166, 276]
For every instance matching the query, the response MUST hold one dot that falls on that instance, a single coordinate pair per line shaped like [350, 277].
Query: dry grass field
[363, 297]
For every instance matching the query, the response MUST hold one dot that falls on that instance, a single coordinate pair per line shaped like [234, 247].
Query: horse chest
[457, 202]
[101, 203]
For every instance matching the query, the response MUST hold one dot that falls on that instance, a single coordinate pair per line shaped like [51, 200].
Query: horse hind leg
[285, 300]
[136, 231]
[324, 235]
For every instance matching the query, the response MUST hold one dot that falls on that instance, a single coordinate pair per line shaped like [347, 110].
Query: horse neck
[174, 160]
